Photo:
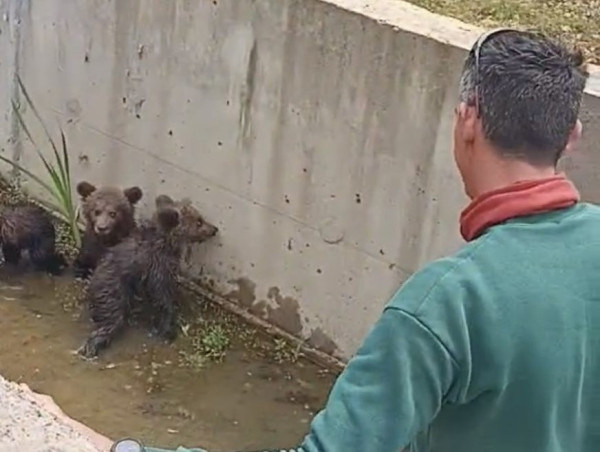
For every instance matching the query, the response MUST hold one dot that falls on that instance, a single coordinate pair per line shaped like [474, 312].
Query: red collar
[516, 200]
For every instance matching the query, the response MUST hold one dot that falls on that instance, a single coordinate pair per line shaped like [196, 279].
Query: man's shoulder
[590, 209]
[444, 275]
[484, 260]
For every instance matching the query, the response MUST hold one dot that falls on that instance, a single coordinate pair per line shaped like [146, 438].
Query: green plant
[194, 359]
[214, 342]
[59, 187]
[284, 351]
[209, 342]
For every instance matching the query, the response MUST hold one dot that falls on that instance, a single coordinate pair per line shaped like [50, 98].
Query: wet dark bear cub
[141, 272]
[30, 228]
[109, 214]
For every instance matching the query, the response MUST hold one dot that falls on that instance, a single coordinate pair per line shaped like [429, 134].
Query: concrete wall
[316, 135]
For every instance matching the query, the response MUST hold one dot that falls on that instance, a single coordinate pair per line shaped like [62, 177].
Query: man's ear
[574, 137]
[467, 122]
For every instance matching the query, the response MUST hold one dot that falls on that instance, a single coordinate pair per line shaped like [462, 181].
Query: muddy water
[140, 387]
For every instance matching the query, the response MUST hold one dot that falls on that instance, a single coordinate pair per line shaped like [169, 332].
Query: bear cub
[30, 228]
[141, 272]
[109, 218]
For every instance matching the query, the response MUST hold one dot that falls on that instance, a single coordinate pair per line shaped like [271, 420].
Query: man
[496, 348]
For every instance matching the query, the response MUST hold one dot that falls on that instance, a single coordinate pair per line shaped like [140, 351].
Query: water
[139, 386]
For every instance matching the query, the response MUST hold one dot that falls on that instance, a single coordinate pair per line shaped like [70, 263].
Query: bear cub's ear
[162, 201]
[168, 218]
[85, 189]
[133, 194]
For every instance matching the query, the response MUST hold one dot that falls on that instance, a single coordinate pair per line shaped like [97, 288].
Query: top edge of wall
[447, 30]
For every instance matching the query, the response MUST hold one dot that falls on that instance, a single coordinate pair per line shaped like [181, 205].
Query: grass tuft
[577, 22]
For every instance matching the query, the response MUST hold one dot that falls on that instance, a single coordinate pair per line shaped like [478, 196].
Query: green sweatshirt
[495, 349]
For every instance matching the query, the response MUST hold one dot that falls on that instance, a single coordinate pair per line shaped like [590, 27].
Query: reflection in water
[139, 388]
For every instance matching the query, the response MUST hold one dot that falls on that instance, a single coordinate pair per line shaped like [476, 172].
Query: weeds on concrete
[577, 22]
[217, 331]
[284, 352]
[212, 343]
[208, 336]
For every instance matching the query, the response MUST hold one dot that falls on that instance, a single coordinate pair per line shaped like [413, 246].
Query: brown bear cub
[109, 217]
[30, 228]
[141, 272]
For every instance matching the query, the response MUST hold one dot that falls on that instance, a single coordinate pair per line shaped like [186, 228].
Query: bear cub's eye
[113, 214]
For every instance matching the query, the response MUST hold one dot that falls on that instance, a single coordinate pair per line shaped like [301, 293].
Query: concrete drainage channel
[352, 149]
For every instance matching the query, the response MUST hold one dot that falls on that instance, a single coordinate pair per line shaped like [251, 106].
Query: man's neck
[504, 173]
[524, 197]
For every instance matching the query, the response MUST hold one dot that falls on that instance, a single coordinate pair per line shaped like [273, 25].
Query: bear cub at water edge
[29, 228]
[142, 270]
[109, 214]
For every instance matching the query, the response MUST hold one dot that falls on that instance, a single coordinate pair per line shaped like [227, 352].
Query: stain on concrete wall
[319, 340]
[244, 293]
[284, 312]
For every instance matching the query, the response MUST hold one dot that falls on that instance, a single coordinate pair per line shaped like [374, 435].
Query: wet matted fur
[143, 267]
[30, 228]
[109, 214]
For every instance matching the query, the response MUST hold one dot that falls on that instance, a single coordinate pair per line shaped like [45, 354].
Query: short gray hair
[530, 91]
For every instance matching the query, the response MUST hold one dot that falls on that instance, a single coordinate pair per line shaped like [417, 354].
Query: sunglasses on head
[477, 53]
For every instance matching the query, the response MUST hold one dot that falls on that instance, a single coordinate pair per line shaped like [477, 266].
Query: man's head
[520, 95]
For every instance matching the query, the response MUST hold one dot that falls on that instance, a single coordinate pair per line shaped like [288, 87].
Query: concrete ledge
[447, 30]
[30, 422]
[413, 19]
